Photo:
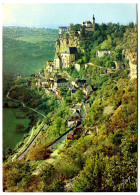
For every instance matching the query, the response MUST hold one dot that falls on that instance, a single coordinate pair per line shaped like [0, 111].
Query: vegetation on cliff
[104, 157]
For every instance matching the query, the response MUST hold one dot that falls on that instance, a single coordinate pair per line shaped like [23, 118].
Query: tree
[118, 56]
[75, 27]
[58, 123]
[9, 151]
[90, 177]
[63, 91]
[106, 45]
[68, 100]
[110, 64]
[37, 152]
[83, 32]
[17, 176]
[20, 127]
[78, 95]
[56, 186]
[69, 93]
[131, 25]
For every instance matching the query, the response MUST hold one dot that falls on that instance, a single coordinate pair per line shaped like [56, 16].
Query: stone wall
[77, 67]
[102, 53]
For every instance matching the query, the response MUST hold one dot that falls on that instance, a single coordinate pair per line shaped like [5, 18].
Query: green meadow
[25, 51]
[10, 137]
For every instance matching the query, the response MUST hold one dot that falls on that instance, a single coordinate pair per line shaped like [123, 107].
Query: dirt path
[23, 104]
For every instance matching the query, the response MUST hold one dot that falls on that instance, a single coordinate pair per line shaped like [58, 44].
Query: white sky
[54, 15]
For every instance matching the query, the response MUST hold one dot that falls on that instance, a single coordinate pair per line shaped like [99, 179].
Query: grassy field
[10, 137]
[25, 51]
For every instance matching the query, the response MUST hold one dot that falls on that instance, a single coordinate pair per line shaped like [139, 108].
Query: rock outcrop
[132, 57]
[64, 41]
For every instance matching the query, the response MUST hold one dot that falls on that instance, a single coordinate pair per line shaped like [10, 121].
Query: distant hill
[26, 50]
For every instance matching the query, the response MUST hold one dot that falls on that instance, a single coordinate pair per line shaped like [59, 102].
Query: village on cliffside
[66, 55]
[86, 101]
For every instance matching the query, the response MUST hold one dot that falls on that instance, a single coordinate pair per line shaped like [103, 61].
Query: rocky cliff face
[72, 40]
[132, 57]
[130, 39]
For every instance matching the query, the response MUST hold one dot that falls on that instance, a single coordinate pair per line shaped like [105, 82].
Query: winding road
[30, 142]
[23, 104]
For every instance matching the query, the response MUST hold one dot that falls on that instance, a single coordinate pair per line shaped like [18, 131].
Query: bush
[37, 152]
[78, 95]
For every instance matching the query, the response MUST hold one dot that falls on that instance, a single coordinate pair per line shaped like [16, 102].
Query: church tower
[93, 22]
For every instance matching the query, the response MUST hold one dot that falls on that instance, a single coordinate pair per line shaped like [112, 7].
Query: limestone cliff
[69, 40]
[130, 39]
[132, 57]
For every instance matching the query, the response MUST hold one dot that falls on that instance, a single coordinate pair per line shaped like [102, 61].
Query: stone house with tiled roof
[74, 120]
[61, 82]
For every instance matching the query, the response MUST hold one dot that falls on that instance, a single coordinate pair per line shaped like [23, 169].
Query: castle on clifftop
[67, 45]
[87, 25]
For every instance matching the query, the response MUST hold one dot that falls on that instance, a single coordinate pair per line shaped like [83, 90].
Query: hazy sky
[54, 15]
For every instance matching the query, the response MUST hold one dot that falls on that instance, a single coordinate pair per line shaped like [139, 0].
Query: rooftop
[80, 81]
[61, 80]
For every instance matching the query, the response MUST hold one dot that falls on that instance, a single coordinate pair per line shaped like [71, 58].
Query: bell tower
[93, 22]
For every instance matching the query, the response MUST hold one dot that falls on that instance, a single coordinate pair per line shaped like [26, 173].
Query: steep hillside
[100, 154]
[25, 50]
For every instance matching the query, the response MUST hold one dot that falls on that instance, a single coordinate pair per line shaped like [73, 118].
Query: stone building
[77, 67]
[63, 29]
[67, 45]
[100, 54]
[65, 58]
[73, 91]
[68, 55]
[80, 83]
[49, 66]
[73, 40]
[88, 25]
[74, 120]
[60, 83]
[57, 61]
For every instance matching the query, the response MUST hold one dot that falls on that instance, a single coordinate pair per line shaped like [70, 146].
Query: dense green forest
[26, 50]
[103, 157]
